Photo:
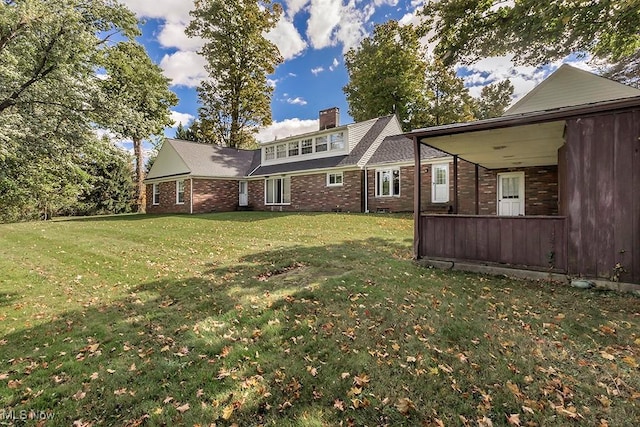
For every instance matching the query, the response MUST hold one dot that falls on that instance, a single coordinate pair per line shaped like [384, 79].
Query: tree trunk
[140, 187]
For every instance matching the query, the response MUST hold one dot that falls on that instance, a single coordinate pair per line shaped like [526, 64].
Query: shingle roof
[324, 163]
[369, 138]
[330, 162]
[213, 160]
[398, 148]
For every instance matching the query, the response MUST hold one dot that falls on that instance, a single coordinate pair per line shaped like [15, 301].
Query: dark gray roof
[398, 148]
[369, 138]
[324, 163]
[330, 162]
[213, 160]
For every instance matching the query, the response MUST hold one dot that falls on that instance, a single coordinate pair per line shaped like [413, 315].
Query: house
[555, 184]
[358, 167]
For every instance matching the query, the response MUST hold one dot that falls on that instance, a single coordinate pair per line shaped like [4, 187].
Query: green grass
[294, 319]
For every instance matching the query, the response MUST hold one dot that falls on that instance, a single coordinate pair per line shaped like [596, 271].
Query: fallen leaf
[361, 380]
[184, 408]
[631, 361]
[94, 376]
[404, 405]
[485, 422]
[345, 375]
[79, 395]
[607, 356]
[338, 404]
[513, 419]
[167, 399]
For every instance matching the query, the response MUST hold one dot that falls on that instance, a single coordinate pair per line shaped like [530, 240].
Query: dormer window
[307, 146]
[269, 153]
[337, 141]
[281, 151]
[294, 149]
[321, 144]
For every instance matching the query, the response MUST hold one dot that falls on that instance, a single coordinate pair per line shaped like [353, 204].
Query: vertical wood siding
[534, 242]
[603, 195]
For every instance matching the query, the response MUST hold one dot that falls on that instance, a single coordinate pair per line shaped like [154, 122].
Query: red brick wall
[404, 202]
[214, 195]
[168, 198]
[311, 193]
[540, 187]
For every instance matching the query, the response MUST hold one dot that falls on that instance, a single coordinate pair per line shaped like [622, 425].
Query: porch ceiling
[510, 147]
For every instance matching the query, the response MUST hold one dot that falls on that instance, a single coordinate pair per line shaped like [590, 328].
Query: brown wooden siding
[603, 196]
[531, 242]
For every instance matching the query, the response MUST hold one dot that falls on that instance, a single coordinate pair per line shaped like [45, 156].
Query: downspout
[417, 202]
[191, 196]
[366, 191]
[455, 184]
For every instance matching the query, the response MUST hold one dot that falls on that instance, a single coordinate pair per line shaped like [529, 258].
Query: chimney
[329, 118]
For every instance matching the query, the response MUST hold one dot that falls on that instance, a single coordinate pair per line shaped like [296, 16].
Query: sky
[313, 36]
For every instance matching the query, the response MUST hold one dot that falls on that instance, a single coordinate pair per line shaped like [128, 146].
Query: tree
[110, 188]
[494, 100]
[50, 97]
[535, 31]
[450, 101]
[236, 99]
[386, 76]
[140, 101]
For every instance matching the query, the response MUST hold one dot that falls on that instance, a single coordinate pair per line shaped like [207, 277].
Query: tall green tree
[535, 31]
[236, 98]
[50, 97]
[140, 98]
[386, 76]
[494, 100]
[449, 100]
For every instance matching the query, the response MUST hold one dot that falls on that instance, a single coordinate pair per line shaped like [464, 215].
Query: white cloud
[172, 35]
[317, 70]
[296, 101]
[178, 118]
[184, 68]
[295, 6]
[325, 17]
[285, 128]
[170, 10]
[334, 64]
[286, 37]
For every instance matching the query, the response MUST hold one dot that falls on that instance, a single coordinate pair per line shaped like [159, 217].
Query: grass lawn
[294, 319]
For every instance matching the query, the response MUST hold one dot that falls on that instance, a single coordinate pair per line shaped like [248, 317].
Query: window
[277, 191]
[321, 144]
[281, 151]
[337, 141]
[156, 194]
[334, 179]
[307, 146]
[269, 153]
[179, 192]
[387, 182]
[294, 148]
[440, 183]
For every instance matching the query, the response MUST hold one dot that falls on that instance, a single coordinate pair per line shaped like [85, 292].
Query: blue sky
[312, 36]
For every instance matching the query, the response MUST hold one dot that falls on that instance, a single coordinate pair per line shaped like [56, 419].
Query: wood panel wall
[602, 196]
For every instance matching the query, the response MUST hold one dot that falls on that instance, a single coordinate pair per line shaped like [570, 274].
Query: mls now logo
[24, 415]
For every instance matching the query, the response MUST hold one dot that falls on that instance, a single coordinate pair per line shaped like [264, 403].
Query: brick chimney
[329, 118]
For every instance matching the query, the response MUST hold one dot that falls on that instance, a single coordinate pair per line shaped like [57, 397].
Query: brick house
[326, 170]
[550, 186]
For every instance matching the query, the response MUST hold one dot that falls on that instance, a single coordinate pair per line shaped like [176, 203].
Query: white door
[243, 193]
[511, 194]
[440, 183]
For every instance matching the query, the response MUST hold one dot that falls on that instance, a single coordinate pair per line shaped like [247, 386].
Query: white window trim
[341, 174]
[266, 203]
[177, 192]
[433, 182]
[155, 191]
[391, 170]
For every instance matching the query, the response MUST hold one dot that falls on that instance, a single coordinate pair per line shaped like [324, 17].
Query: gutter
[191, 195]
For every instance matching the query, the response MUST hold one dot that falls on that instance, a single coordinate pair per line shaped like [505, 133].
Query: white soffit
[512, 147]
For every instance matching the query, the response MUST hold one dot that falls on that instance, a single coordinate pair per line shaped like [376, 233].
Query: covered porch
[594, 231]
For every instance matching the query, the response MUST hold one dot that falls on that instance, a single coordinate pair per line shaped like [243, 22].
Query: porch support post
[477, 189]
[417, 202]
[455, 184]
